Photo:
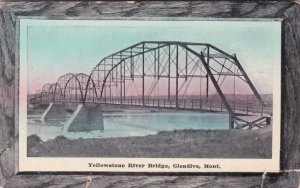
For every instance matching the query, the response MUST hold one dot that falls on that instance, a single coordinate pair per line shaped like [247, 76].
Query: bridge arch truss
[170, 70]
[159, 72]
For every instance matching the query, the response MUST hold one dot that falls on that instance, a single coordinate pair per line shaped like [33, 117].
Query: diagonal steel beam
[248, 80]
[215, 83]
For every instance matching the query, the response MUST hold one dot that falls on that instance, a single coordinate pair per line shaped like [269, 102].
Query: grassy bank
[179, 144]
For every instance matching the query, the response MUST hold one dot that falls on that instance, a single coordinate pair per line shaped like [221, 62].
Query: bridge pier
[86, 117]
[54, 111]
[231, 121]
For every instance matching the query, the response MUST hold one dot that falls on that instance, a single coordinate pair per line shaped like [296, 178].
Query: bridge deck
[240, 108]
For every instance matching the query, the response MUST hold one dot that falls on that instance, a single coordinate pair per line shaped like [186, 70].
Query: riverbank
[165, 144]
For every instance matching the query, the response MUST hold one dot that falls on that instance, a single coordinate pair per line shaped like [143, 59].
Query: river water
[132, 124]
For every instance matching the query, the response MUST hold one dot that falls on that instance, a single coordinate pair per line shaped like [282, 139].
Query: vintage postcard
[149, 95]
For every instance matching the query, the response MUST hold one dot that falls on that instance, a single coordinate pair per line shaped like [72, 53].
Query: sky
[57, 47]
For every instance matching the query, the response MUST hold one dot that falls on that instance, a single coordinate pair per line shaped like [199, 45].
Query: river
[132, 124]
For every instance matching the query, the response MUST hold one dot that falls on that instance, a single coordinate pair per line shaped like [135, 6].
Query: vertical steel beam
[143, 76]
[207, 79]
[154, 66]
[75, 91]
[70, 94]
[110, 84]
[200, 82]
[121, 83]
[110, 92]
[131, 65]
[158, 63]
[186, 64]
[111, 80]
[169, 74]
[124, 81]
[177, 74]
[98, 76]
[93, 96]
[116, 74]
[105, 84]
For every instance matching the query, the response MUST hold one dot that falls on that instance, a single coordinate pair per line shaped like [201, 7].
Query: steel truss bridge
[166, 74]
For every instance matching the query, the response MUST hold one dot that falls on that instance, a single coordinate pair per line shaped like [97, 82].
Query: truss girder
[141, 68]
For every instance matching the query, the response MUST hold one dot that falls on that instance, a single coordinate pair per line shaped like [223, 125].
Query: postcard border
[261, 164]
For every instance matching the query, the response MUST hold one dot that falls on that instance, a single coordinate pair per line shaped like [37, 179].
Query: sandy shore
[179, 144]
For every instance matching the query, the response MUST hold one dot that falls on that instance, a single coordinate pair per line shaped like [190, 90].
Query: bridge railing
[241, 107]
[237, 106]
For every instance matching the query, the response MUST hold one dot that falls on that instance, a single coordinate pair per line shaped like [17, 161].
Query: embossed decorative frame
[11, 12]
